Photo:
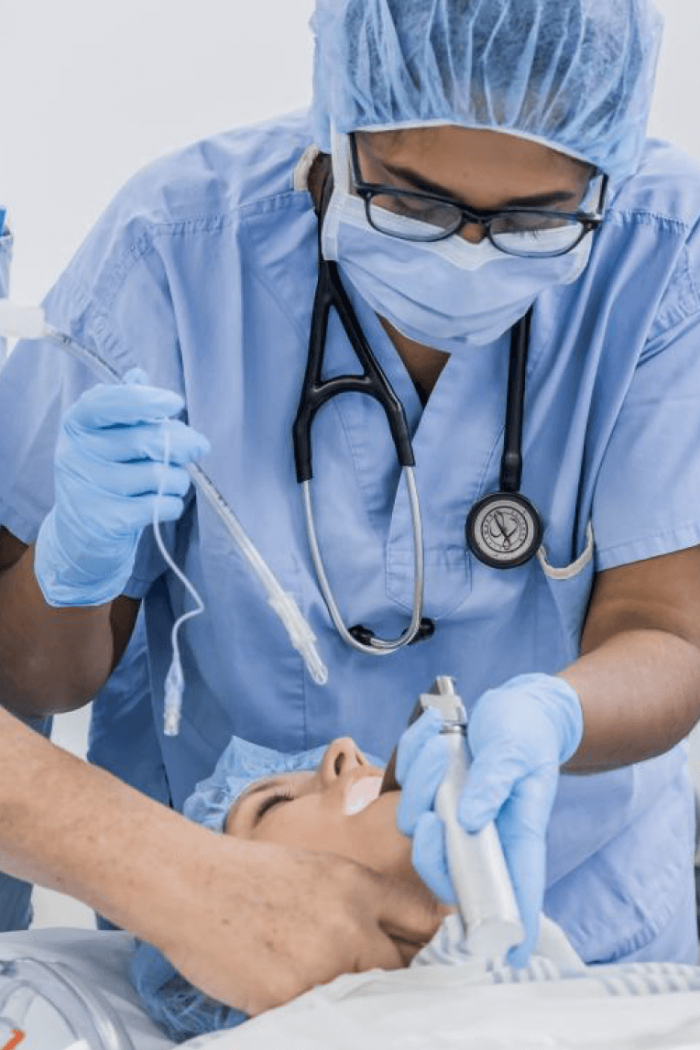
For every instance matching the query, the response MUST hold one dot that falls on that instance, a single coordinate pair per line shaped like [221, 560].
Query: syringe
[29, 322]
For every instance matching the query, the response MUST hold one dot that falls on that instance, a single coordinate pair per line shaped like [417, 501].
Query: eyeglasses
[525, 232]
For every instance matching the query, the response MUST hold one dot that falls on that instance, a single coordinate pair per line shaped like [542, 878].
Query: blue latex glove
[519, 735]
[108, 466]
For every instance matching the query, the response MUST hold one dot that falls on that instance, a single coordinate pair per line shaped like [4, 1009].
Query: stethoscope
[503, 529]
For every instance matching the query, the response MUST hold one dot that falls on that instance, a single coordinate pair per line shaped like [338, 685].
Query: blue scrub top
[202, 271]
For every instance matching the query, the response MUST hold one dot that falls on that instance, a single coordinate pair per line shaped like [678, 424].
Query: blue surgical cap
[182, 1010]
[575, 75]
[240, 765]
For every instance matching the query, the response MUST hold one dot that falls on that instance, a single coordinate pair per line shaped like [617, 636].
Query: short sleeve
[647, 496]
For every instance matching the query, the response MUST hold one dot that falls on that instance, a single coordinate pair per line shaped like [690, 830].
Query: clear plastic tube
[28, 322]
[175, 679]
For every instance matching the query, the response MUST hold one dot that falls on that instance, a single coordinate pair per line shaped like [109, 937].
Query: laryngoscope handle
[476, 864]
[477, 867]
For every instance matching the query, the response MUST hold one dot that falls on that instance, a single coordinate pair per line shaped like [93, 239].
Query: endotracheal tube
[28, 322]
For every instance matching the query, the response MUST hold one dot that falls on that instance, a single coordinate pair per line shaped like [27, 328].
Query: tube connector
[300, 634]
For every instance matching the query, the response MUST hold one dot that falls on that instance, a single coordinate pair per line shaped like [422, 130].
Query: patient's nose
[342, 755]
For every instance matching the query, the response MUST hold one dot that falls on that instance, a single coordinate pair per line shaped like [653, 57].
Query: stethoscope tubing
[377, 646]
[316, 391]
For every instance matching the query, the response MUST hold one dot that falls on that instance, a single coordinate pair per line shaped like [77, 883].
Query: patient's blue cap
[576, 75]
[241, 765]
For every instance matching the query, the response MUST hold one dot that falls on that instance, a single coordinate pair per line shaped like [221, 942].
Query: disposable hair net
[182, 1010]
[576, 75]
[241, 764]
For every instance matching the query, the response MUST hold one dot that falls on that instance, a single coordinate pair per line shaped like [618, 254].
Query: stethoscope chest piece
[504, 530]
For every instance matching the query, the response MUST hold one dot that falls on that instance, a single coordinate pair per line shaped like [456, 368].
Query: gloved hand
[519, 735]
[108, 466]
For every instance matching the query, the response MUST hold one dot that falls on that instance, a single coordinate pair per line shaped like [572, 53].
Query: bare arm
[639, 674]
[250, 923]
[51, 659]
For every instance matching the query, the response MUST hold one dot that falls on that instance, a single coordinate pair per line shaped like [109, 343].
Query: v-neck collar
[456, 438]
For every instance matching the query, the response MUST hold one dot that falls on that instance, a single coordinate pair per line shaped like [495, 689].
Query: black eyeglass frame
[369, 190]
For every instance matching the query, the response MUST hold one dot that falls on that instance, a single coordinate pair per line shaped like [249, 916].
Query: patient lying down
[325, 800]
[328, 800]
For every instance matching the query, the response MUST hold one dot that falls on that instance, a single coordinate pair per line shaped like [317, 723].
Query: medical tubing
[82, 353]
[378, 646]
[476, 864]
[283, 604]
[175, 679]
[83, 1009]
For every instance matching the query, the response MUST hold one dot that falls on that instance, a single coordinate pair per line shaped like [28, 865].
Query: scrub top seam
[136, 589]
[278, 301]
[644, 216]
[691, 279]
[500, 437]
[198, 225]
[360, 475]
[22, 527]
[279, 201]
[688, 534]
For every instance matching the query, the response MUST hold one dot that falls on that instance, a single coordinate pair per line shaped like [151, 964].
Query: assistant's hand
[108, 466]
[519, 735]
[260, 924]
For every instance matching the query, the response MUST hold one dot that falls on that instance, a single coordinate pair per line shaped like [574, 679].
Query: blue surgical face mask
[446, 294]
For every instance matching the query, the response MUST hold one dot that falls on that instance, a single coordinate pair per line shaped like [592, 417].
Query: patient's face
[336, 809]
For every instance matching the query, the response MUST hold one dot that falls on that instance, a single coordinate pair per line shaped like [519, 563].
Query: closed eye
[270, 801]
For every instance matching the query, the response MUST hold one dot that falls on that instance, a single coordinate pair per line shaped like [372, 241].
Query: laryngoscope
[485, 899]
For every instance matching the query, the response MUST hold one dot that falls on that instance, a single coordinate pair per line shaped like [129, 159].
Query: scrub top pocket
[570, 588]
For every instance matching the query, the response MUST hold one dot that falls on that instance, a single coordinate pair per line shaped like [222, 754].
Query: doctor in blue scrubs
[473, 170]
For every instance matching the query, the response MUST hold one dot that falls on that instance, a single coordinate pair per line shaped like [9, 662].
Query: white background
[91, 90]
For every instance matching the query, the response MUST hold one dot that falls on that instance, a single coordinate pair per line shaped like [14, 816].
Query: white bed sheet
[440, 1007]
[457, 1008]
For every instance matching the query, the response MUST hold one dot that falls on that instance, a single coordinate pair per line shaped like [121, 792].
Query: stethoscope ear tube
[503, 529]
[316, 392]
[512, 460]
